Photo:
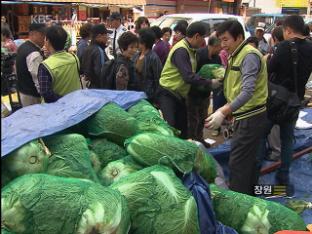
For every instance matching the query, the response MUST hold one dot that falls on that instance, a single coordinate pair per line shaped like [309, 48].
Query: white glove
[215, 84]
[215, 120]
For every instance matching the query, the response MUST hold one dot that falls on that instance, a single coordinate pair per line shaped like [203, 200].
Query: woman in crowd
[125, 73]
[140, 23]
[85, 33]
[160, 47]
[148, 66]
[7, 39]
[166, 35]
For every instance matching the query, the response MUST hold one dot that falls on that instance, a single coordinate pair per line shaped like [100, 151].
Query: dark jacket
[25, 82]
[152, 68]
[91, 64]
[124, 74]
[280, 65]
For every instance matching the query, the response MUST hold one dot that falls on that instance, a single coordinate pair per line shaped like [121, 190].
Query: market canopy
[100, 2]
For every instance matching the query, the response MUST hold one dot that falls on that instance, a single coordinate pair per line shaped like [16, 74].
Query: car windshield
[269, 21]
[172, 21]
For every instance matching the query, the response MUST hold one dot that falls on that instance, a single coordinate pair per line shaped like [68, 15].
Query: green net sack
[251, 215]
[106, 151]
[158, 202]
[70, 156]
[150, 149]
[45, 204]
[205, 165]
[30, 158]
[115, 170]
[150, 119]
[206, 71]
[113, 123]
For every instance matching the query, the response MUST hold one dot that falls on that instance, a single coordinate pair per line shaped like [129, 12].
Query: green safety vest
[171, 78]
[233, 82]
[63, 68]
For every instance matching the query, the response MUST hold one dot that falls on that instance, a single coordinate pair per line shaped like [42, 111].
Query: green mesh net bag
[106, 151]
[158, 202]
[207, 72]
[150, 149]
[113, 123]
[45, 204]
[252, 215]
[70, 156]
[117, 169]
[30, 158]
[205, 165]
[150, 120]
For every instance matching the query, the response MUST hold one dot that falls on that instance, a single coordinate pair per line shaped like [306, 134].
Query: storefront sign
[40, 19]
[292, 3]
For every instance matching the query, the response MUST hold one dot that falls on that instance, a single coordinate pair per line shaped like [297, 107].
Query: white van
[213, 20]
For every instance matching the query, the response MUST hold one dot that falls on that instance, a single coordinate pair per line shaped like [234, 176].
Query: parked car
[212, 20]
[270, 21]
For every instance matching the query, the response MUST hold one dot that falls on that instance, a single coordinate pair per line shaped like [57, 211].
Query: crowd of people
[111, 57]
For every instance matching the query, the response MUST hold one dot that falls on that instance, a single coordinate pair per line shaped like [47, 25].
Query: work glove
[218, 73]
[215, 120]
[215, 84]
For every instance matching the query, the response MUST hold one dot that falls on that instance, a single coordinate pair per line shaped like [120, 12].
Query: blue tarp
[303, 139]
[41, 120]
[300, 170]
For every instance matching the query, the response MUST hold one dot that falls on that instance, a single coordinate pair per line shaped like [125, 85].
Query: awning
[100, 2]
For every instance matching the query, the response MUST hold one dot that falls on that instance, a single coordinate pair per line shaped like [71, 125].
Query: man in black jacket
[281, 66]
[29, 56]
[94, 55]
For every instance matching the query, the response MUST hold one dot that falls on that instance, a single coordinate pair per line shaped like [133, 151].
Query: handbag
[282, 104]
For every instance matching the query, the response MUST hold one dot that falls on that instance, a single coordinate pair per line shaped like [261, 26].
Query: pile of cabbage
[119, 172]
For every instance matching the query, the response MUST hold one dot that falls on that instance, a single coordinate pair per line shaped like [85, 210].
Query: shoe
[272, 157]
[216, 132]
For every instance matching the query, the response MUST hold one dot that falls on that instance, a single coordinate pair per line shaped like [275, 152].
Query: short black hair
[233, 27]
[157, 31]
[140, 21]
[196, 27]
[295, 22]
[99, 29]
[126, 39]
[166, 29]
[57, 36]
[37, 27]
[214, 41]
[85, 30]
[181, 27]
[253, 40]
[147, 37]
[278, 33]
[6, 32]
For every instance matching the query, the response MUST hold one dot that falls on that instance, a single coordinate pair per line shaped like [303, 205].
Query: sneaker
[216, 132]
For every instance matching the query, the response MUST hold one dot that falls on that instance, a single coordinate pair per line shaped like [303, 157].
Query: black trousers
[173, 110]
[245, 143]
[197, 112]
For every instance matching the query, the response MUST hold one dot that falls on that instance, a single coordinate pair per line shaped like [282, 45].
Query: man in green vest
[58, 75]
[177, 76]
[246, 91]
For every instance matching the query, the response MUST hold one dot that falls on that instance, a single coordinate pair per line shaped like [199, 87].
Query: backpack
[107, 78]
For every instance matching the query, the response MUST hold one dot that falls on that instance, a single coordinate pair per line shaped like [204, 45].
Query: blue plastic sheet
[301, 177]
[41, 120]
[300, 170]
[201, 192]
